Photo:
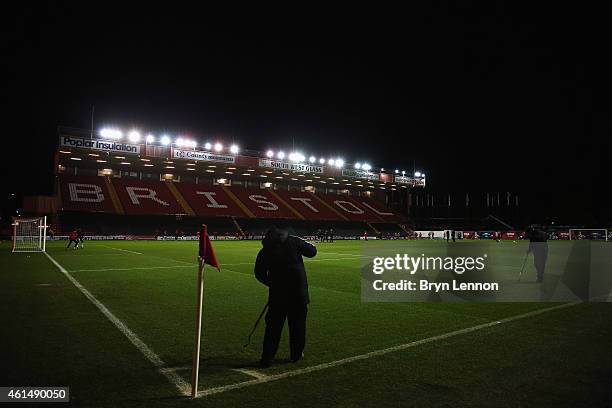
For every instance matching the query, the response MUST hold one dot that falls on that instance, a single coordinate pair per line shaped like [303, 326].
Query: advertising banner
[95, 144]
[362, 174]
[202, 156]
[413, 181]
[303, 168]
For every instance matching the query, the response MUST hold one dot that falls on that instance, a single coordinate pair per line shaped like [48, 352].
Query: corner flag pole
[206, 256]
[198, 332]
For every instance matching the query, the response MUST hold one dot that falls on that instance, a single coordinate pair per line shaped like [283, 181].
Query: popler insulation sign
[95, 144]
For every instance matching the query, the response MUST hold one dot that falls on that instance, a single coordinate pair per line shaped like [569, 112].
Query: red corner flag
[207, 252]
[207, 255]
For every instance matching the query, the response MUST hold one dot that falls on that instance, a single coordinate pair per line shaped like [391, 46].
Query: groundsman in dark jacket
[280, 267]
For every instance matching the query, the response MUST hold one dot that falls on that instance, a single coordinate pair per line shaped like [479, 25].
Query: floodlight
[357, 165]
[179, 142]
[134, 136]
[366, 167]
[417, 174]
[280, 155]
[270, 153]
[109, 133]
[339, 162]
[422, 174]
[150, 138]
[218, 147]
[322, 160]
[296, 157]
[331, 162]
[234, 149]
[403, 172]
[165, 140]
[207, 146]
[192, 143]
[396, 171]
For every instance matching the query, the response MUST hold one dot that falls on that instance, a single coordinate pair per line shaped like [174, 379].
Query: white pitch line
[336, 259]
[305, 260]
[337, 253]
[251, 373]
[131, 269]
[376, 353]
[123, 250]
[181, 368]
[147, 352]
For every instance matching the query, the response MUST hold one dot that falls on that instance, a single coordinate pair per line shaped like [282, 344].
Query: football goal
[29, 234]
[600, 234]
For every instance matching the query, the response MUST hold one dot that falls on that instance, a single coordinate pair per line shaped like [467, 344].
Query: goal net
[599, 234]
[29, 234]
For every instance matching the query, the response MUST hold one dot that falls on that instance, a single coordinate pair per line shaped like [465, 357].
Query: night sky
[482, 97]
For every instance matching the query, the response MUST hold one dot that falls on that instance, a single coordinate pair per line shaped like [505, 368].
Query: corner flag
[206, 255]
[207, 252]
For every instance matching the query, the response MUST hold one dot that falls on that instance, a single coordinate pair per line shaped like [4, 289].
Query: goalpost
[29, 234]
[588, 233]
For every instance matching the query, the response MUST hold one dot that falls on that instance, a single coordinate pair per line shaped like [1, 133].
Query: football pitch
[115, 322]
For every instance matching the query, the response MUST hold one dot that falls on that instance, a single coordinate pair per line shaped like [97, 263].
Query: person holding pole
[538, 246]
[280, 267]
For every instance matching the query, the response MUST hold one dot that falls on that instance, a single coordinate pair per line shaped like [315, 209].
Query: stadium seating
[86, 193]
[208, 200]
[378, 209]
[145, 197]
[263, 203]
[308, 205]
[349, 208]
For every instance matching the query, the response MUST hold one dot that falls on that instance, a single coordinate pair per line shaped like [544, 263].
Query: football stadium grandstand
[160, 187]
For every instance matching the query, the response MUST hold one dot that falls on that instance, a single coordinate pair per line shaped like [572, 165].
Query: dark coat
[280, 266]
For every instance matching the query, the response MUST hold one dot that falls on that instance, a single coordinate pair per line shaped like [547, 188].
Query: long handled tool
[523, 268]
[255, 325]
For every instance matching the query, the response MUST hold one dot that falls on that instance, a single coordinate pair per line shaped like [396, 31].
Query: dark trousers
[539, 261]
[275, 320]
[75, 243]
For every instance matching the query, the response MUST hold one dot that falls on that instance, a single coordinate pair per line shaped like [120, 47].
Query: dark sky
[483, 97]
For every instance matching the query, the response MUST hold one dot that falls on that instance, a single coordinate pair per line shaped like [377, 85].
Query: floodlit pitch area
[115, 322]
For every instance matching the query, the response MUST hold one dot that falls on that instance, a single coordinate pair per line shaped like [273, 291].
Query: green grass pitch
[53, 335]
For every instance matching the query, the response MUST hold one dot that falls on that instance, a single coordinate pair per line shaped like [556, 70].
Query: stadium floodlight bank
[588, 233]
[29, 234]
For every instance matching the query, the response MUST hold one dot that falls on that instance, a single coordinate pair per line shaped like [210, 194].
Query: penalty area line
[306, 370]
[122, 250]
[146, 351]
[132, 269]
